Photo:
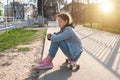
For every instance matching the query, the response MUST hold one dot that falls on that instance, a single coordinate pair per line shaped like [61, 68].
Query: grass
[1, 55]
[24, 49]
[41, 34]
[35, 24]
[94, 25]
[99, 26]
[12, 38]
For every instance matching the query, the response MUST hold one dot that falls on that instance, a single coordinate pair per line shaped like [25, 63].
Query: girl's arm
[66, 34]
[57, 32]
[49, 36]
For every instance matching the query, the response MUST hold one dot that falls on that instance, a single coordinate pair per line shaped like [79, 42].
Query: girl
[66, 39]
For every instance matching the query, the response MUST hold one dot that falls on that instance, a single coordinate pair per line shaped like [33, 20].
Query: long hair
[66, 17]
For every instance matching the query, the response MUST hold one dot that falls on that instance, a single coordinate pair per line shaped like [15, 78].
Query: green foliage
[12, 38]
[1, 55]
[24, 49]
[105, 27]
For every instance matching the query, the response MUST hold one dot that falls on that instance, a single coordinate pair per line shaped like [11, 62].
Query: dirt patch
[17, 65]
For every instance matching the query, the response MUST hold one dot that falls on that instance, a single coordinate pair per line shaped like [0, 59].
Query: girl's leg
[53, 49]
[47, 62]
[63, 46]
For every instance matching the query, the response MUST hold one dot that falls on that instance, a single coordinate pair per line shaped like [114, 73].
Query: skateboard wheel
[71, 67]
[77, 66]
[67, 61]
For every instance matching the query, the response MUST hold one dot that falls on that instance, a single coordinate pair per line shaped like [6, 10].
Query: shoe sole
[48, 67]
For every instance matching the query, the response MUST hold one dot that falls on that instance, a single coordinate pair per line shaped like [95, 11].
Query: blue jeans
[63, 46]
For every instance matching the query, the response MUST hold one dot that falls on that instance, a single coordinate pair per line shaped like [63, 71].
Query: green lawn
[112, 29]
[24, 49]
[12, 38]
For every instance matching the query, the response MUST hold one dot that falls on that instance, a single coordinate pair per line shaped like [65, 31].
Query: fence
[52, 24]
[91, 15]
[7, 23]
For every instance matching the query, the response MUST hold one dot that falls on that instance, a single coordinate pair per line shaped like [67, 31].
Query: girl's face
[62, 23]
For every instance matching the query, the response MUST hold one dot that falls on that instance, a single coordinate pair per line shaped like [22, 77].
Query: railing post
[14, 23]
[6, 23]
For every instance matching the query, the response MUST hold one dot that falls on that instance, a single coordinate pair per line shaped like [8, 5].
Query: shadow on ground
[63, 73]
[105, 48]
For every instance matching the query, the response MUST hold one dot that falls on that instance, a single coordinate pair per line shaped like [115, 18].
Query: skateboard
[72, 65]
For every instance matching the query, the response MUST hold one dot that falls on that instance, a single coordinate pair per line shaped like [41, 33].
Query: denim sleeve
[66, 34]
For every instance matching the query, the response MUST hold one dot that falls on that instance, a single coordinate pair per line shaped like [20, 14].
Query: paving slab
[99, 61]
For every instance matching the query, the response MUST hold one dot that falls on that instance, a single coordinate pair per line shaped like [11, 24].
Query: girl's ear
[66, 21]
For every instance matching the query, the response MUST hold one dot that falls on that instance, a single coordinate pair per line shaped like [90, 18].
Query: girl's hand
[49, 36]
[57, 32]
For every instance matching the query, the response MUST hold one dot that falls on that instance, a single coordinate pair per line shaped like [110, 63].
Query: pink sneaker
[45, 64]
[69, 61]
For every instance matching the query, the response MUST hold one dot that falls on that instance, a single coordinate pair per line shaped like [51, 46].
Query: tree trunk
[40, 11]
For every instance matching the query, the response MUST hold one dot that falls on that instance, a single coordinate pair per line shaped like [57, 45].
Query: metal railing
[7, 23]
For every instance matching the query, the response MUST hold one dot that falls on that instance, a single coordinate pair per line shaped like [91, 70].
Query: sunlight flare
[106, 7]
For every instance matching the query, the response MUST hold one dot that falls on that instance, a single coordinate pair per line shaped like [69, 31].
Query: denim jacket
[72, 40]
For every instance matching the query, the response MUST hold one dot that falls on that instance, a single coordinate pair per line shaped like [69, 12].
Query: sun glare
[106, 7]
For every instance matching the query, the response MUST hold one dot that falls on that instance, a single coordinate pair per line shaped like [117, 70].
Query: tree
[39, 7]
[40, 12]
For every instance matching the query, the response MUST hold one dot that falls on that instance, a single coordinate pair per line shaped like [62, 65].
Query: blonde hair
[66, 17]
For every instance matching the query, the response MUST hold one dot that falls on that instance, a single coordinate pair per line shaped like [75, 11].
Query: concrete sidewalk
[99, 61]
